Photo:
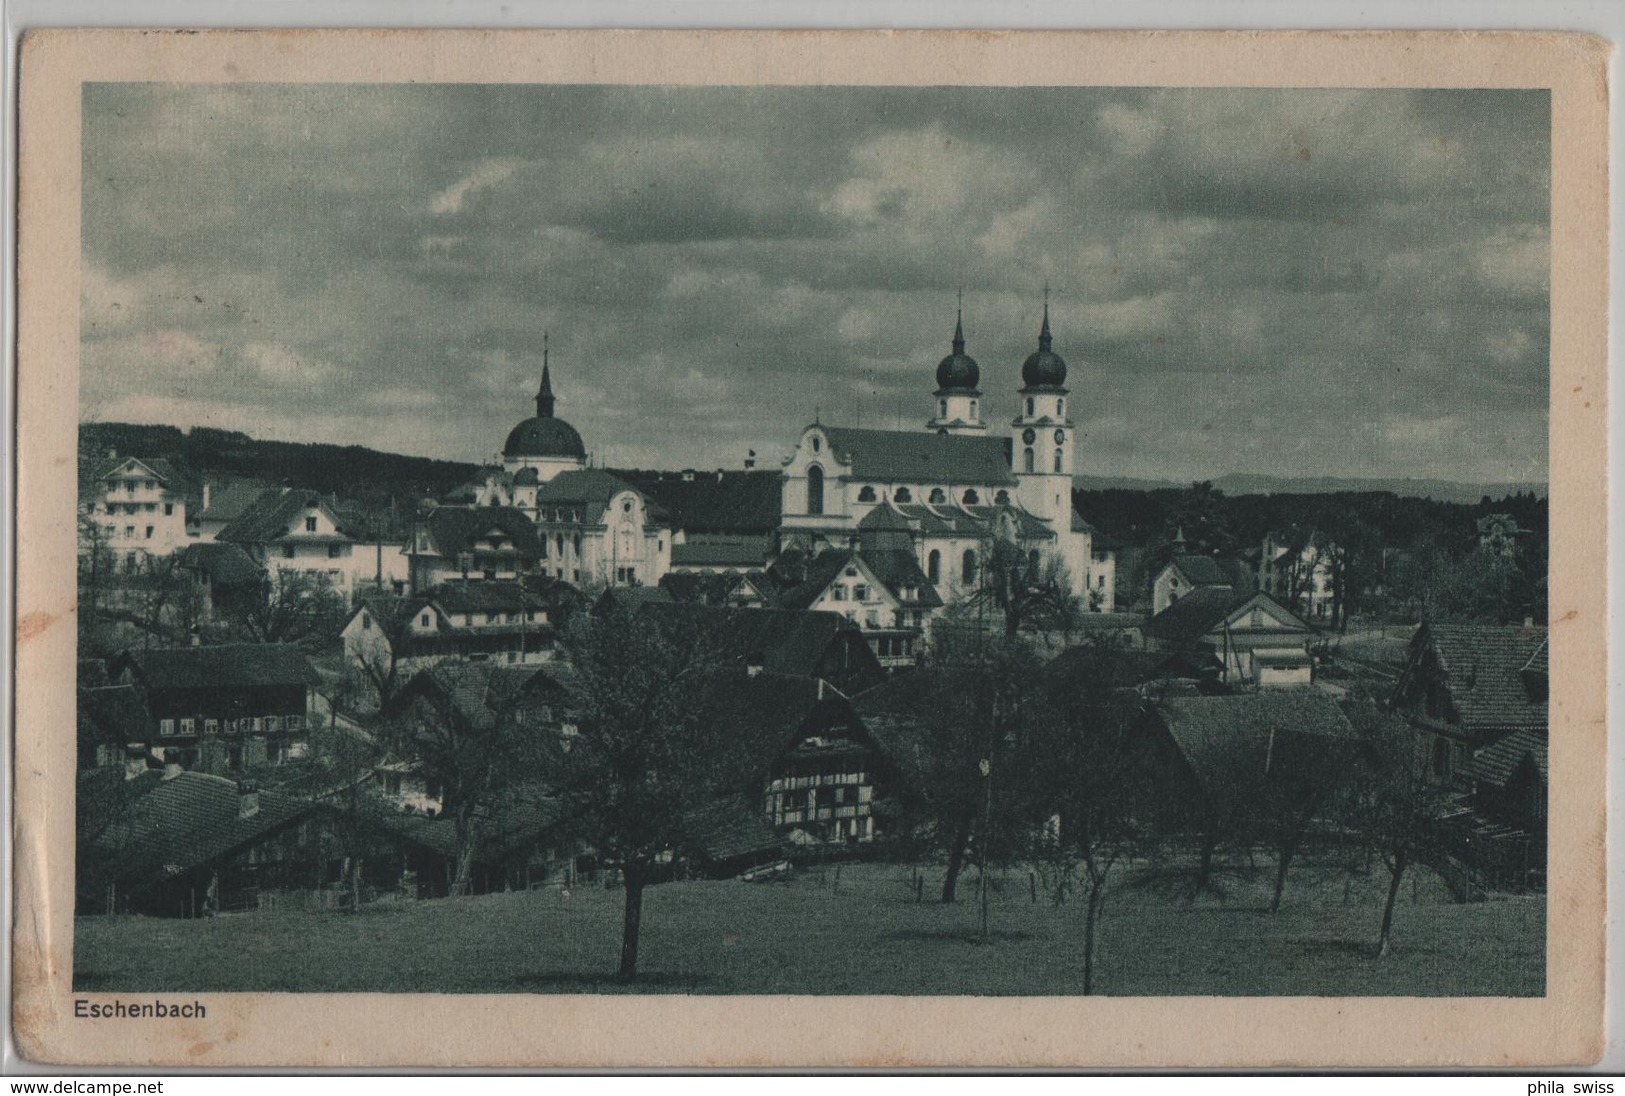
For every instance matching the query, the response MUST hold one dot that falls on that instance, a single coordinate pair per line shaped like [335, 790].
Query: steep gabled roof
[590, 490]
[1483, 664]
[908, 456]
[722, 550]
[1206, 608]
[223, 564]
[453, 530]
[228, 501]
[482, 597]
[1496, 763]
[114, 713]
[1200, 570]
[269, 517]
[231, 666]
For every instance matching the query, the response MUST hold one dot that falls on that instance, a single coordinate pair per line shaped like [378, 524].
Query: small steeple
[959, 324]
[1044, 339]
[544, 395]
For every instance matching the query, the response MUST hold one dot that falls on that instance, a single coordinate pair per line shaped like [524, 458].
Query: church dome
[544, 436]
[959, 372]
[1044, 368]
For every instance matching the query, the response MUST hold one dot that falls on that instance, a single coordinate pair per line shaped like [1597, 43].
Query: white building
[140, 510]
[957, 486]
[292, 530]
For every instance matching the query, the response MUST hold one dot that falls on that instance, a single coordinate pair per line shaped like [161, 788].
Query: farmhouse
[1249, 638]
[500, 621]
[222, 708]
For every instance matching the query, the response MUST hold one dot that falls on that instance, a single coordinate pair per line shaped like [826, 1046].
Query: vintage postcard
[684, 549]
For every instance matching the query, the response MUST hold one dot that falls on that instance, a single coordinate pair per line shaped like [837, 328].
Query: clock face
[1060, 437]
[1028, 435]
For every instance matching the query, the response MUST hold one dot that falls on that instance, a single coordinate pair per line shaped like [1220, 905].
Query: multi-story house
[140, 510]
[220, 709]
[497, 621]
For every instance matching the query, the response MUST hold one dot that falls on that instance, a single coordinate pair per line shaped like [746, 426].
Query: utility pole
[987, 820]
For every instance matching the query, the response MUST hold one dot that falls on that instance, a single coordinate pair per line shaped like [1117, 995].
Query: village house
[225, 498]
[1249, 639]
[752, 590]
[228, 580]
[502, 622]
[1185, 572]
[171, 843]
[1478, 696]
[882, 591]
[299, 532]
[488, 544]
[140, 510]
[219, 709]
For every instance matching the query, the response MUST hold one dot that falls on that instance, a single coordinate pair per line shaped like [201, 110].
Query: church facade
[959, 486]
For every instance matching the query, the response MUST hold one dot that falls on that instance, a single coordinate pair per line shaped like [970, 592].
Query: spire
[1043, 334]
[959, 324]
[544, 395]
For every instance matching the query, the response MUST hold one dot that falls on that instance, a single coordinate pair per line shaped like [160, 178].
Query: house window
[166, 727]
[210, 726]
[933, 567]
[1029, 407]
[273, 724]
[310, 524]
[169, 509]
[967, 569]
[860, 592]
[149, 532]
[424, 620]
[837, 593]
[287, 551]
[1027, 459]
[815, 490]
[334, 551]
[1057, 460]
[188, 726]
[129, 532]
[867, 494]
[873, 618]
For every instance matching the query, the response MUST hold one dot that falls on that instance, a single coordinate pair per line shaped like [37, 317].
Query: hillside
[1247, 483]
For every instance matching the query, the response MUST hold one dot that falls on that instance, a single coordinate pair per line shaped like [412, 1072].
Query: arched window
[867, 494]
[1002, 498]
[973, 409]
[933, 566]
[1029, 407]
[938, 497]
[971, 497]
[942, 409]
[967, 571]
[815, 488]
[904, 495]
[1057, 460]
[1060, 408]
[1027, 459]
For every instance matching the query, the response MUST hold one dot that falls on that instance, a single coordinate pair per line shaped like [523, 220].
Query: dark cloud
[1323, 281]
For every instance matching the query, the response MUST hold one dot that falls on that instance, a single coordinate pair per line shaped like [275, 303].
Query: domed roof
[1044, 368]
[959, 371]
[544, 436]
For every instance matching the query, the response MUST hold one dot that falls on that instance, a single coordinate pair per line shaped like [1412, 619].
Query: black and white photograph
[719, 540]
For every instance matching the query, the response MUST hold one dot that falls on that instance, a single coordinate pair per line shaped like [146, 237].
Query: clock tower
[1041, 457]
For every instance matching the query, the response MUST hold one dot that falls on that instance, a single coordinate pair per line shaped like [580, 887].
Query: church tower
[959, 401]
[1042, 450]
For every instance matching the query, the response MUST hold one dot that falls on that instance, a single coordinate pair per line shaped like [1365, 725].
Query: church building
[959, 487]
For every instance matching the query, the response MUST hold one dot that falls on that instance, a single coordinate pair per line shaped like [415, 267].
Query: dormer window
[904, 495]
[867, 494]
[938, 496]
[972, 498]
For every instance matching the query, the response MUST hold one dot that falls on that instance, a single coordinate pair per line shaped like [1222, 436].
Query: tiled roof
[224, 564]
[707, 589]
[1231, 742]
[1483, 663]
[453, 530]
[267, 517]
[231, 666]
[1206, 608]
[731, 829]
[1200, 570]
[589, 489]
[780, 641]
[722, 550]
[482, 597]
[1494, 764]
[739, 502]
[942, 519]
[916, 456]
[480, 691]
[187, 820]
[896, 570]
[1122, 667]
[228, 501]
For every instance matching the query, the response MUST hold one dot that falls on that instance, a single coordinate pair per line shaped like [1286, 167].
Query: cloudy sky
[1297, 282]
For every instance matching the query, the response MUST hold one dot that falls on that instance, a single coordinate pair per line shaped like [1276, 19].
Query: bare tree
[1030, 590]
[297, 607]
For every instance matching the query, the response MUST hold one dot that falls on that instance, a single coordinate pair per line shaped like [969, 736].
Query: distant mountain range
[1243, 483]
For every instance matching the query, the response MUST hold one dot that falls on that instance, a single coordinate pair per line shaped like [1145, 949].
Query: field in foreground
[861, 934]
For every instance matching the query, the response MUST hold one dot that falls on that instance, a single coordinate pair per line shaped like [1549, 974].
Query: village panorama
[921, 697]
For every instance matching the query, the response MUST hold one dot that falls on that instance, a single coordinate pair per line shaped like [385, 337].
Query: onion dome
[1043, 368]
[958, 372]
[544, 435]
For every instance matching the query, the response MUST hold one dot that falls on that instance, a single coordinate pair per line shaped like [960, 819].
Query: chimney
[248, 799]
[172, 769]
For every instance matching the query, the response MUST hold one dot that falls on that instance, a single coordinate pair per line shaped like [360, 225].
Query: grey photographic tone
[824, 540]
